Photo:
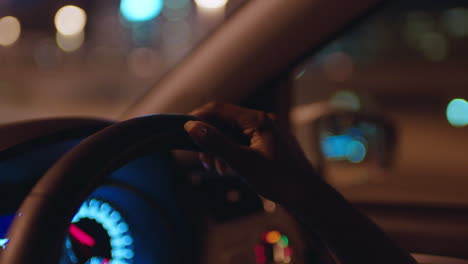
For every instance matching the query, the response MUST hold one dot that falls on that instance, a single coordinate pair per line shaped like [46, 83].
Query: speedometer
[99, 234]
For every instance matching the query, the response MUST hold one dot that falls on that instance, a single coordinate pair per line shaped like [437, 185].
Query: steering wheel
[40, 225]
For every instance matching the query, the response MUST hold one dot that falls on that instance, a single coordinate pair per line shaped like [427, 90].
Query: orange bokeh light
[272, 237]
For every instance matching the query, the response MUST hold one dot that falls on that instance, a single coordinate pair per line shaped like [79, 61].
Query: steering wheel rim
[40, 225]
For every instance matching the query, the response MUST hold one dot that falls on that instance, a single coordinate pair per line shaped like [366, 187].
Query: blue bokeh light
[344, 147]
[335, 147]
[457, 112]
[140, 10]
[356, 151]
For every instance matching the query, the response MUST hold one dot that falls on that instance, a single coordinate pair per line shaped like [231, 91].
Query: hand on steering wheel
[272, 162]
[277, 168]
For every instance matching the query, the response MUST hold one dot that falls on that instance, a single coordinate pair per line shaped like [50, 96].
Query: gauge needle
[81, 236]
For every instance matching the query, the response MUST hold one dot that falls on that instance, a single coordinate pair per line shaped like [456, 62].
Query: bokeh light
[434, 46]
[176, 10]
[176, 4]
[457, 112]
[338, 66]
[211, 4]
[417, 24]
[10, 30]
[272, 237]
[70, 43]
[274, 248]
[456, 21]
[336, 147]
[344, 147]
[70, 20]
[346, 100]
[140, 10]
[284, 241]
[356, 151]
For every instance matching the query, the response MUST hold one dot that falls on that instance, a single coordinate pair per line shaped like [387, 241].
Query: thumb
[211, 140]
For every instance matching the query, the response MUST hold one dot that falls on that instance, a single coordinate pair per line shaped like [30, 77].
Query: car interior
[96, 167]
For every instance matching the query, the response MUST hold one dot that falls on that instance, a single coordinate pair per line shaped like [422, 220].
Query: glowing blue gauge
[99, 234]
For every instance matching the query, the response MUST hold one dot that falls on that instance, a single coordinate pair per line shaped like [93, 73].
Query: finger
[209, 139]
[206, 160]
[221, 166]
[248, 121]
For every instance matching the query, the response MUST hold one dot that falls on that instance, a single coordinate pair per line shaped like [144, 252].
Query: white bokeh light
[10, 30]
[70, 20]
[211, 3]
[69, 43]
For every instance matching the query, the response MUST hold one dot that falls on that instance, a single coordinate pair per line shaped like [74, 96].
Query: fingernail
[221, 167]
[196, 129]
[205, 165]
[204, 160]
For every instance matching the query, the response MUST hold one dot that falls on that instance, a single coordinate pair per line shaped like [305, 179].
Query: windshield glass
[94, 58]
[407, 63]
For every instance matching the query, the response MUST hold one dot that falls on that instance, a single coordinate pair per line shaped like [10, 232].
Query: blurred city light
[176, 4]
[338, 66]
[70, 20]
[69, 43]
[273, 237]
[211, 3]
[417, 24]
[343, 147]
[335, 147]
[274, 248]
[434, 46]
[176, 10]
[356, 151]
[456, 21]
[457, 112]
[346, 100]
[10, 30]
[140, 10]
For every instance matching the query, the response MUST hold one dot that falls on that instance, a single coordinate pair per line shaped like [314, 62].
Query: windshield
[407, 62]
[94, 58]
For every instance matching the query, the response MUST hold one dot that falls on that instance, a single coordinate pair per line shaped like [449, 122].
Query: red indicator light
[81, 236]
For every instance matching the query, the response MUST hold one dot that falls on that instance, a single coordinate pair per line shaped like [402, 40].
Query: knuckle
[208, 109]
[272, 117]
[262, 117]
[257, 120]
[266, 119]
[213, 106]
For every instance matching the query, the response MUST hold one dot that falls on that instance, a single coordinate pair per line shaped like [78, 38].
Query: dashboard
[149, 211]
